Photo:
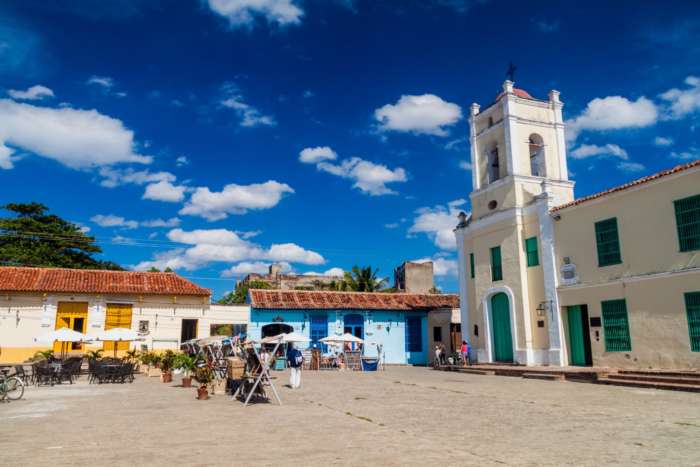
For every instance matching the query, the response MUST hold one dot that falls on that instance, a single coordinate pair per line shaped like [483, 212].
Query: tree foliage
[32, 237]
[239, 296]
[362, 280]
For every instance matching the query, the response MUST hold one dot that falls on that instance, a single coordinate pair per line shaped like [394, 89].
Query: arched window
[536, 144]
[494, 169]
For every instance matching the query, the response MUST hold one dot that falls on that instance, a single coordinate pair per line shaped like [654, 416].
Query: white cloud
[335, 272]
[459, 144]
[613, 113]
[293, 253]
[630, 166]
[165, 191]
[34, 93]
[111, 220]
[222, 245]
[465, 165]
[392, 225]
[115, 177]
[663, 141]
[441, 266]
[182, 160]
[425, 114]
[317, 154]
[682, 102]
[246, 267]
[547, 26]
[234, 199]
[172, 222]
[249, 115]
[101, 81]
[243, 12]
[369, 177]
[438, 223]
[691, 154]
[591, 150]
[76, 138]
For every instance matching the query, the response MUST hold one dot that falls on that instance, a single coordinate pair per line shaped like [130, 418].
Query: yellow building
[164, 308]
[612, 279]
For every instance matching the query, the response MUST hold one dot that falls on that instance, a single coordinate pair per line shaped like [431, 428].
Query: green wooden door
[577, 348]
[500, 320]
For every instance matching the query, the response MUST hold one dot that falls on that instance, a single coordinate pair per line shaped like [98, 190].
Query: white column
[476, 175]
[509, 122]
[560, 132]
[462, 268]
[557, 346]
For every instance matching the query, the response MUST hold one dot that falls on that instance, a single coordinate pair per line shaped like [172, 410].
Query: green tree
[239, 296]
[362, 280]
[32, 237]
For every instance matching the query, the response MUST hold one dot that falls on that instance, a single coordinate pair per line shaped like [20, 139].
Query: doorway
[275, 329]
[501, 332]
[355, 325]
[579, 336]
[72, 315]
[189, 330]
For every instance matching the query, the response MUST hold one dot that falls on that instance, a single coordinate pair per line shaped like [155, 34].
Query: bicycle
[11, 388]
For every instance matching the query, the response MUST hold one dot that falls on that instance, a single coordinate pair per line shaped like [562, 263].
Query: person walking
[464, 351]
[295, 360]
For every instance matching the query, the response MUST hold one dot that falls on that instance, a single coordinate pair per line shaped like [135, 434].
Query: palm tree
[362, 280]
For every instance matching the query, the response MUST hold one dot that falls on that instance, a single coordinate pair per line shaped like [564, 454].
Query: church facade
[611, 279]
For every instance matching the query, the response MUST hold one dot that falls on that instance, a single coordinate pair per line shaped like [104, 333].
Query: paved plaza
[403, 416]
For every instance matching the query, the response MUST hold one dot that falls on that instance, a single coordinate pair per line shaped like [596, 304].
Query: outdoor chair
[23, 375]
[44, 374]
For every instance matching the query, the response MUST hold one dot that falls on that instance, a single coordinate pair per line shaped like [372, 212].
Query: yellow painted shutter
[118, 316]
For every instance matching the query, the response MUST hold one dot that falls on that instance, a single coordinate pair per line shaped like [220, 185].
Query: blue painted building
[397, 321]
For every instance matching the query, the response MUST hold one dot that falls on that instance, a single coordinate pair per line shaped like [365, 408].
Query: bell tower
[517, 142]
[507, 274]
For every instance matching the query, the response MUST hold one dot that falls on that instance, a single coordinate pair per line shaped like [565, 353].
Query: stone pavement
[403, 416]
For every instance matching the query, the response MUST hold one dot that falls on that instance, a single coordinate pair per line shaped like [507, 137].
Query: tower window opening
[490, 122]
[494, 167]
[536, 155]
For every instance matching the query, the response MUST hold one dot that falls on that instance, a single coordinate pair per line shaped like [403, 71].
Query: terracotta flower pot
[186, 382]
[202, 393]
[166, 377]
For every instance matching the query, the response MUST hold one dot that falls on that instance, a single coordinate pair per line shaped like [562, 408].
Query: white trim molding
[519, 355]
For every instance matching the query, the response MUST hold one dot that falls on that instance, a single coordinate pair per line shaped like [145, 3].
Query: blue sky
[218, 136]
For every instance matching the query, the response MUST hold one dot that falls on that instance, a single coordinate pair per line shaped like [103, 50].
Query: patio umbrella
[294, 337]
[117, 335]
[347, 337]
[62, 335]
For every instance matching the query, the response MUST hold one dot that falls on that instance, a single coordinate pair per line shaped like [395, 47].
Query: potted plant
[203, 375]
[185, 363]
[166, 366]
[42, 355]
[94, 354]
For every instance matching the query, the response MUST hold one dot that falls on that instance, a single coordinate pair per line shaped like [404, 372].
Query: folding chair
[255, 377]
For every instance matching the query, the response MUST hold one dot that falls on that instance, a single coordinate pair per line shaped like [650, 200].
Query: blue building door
[355, 325]
[319, 330]
[414, 337]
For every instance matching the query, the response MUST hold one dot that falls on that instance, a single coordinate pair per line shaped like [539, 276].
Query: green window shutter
[692, 308]
[533, 258]
[608, 242]
[688, 222]
[616, 326]
[496, 268]
[471, 264]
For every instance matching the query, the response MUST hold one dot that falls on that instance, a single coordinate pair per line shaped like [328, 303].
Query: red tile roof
[23, 279]
[518, 92]
[322, 300]
[641, 181]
